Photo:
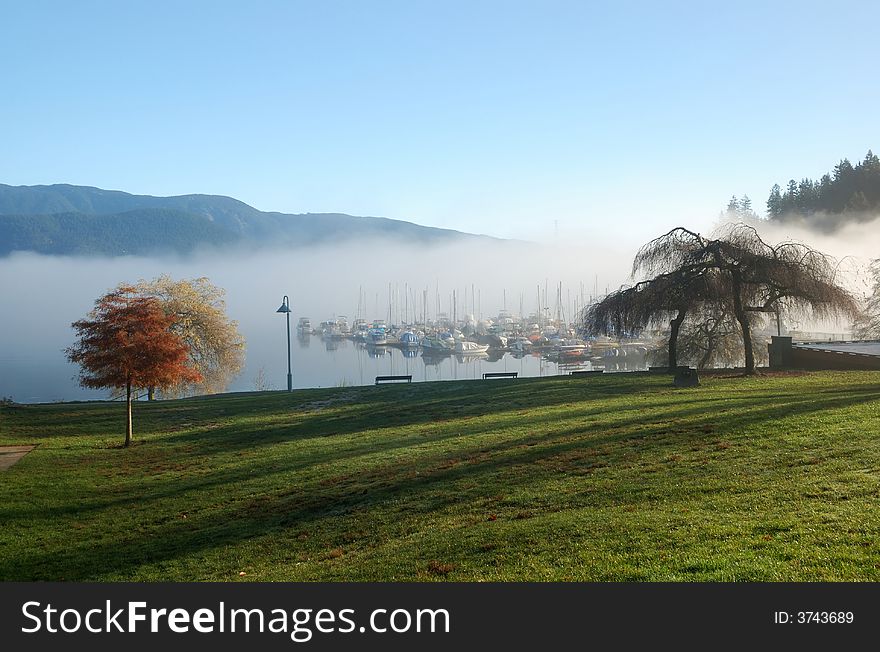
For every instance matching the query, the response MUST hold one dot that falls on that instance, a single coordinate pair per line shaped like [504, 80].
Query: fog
[41, 295]
[854, 246]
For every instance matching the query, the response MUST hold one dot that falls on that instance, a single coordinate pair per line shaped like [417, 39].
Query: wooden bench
[586, 373]
[501, 374]
[391, 379]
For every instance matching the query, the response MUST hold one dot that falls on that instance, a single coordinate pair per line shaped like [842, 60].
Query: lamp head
[285, 305]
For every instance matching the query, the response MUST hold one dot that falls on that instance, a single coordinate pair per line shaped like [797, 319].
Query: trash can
[686, 377]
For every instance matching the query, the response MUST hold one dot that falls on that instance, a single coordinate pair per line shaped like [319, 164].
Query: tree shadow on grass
[684, 416]
[386, 418]
[426, 482]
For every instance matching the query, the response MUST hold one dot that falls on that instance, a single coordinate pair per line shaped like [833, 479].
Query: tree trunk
[743, 320]
[704, 361]
[128, 411]
[711, 343]
[674, 328]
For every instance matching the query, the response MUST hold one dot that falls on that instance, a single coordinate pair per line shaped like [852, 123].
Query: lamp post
[285, 308]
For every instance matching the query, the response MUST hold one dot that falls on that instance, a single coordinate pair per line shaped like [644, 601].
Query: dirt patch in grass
[9, 455]
[438, 568]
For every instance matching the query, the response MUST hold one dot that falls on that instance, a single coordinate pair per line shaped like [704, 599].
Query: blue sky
[495, 117]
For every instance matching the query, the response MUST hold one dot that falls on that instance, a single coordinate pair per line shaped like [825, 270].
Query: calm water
[328, 363]
[316, 363]
[41, 295]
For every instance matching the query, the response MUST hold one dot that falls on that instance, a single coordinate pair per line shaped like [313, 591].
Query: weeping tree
[751, 277]
[867, 324]
[669, 297]
[711, 337]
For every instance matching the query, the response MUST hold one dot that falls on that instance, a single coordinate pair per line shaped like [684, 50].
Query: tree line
[846, 192]
[847, 188]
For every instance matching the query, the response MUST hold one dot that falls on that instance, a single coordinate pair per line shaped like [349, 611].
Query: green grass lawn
[616, 477]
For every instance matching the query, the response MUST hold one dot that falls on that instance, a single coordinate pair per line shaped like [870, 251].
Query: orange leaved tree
[126, 341]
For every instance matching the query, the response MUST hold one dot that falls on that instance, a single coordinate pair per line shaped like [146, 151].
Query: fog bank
[42, 295]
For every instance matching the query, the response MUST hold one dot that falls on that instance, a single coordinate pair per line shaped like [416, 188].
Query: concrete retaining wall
[785, 355]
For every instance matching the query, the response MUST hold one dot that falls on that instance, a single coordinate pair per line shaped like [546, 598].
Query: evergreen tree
[825, 193]
[774, 202]
[789, 199]
[857, 203]
[844, 185]
[806, 197]
[846, 189]
[843, 170]
[733, 208]
[869, 181]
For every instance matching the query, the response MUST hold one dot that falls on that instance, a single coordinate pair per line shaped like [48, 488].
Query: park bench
[587, 373]
[500, 374]
[391, 379]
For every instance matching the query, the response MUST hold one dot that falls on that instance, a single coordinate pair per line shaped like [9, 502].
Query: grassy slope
[604, 478]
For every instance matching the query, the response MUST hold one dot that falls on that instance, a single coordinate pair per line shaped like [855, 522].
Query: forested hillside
[81, 220]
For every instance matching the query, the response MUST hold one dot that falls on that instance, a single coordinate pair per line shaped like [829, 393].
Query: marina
[339, 353]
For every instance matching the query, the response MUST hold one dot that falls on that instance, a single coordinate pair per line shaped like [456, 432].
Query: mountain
[81, 220]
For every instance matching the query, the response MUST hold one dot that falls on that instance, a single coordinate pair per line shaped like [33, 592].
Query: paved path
[867, 348]
[9, 455]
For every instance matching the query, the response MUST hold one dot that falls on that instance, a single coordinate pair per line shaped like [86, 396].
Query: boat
[571, 354]
[570, 349]
[437, 344]
[330, 330]
[409, 340]
[361, 331]
[505, 319]
[377, 336]
[465, 347]
[521, 345]
[304, 325]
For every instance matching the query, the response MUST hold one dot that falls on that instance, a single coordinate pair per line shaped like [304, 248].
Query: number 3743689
[813, 617]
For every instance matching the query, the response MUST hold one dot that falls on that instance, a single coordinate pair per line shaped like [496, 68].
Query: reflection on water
[317, 362]
[42, 295]
[343, 362]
